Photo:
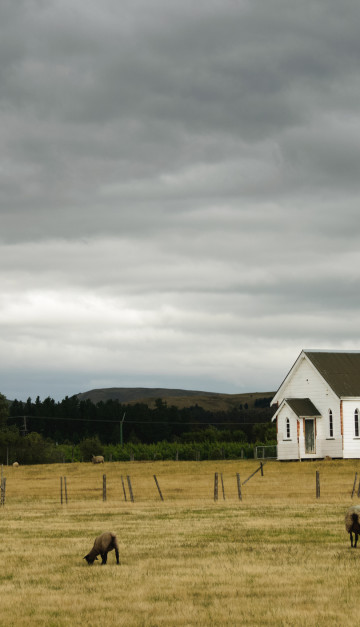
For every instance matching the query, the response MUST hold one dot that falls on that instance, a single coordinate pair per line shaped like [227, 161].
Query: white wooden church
[319, 406]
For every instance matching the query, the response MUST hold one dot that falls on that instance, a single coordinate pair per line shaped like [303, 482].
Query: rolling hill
[211, 401]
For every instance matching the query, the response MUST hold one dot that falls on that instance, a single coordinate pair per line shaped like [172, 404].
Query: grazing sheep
[352, 523]
[15, 464]
[97, 459]
[104, 543]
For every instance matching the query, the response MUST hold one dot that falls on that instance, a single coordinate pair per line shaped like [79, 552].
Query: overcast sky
[179, 191]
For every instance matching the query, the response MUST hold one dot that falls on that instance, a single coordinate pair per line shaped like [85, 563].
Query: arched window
[356, 423]
[288, 428]
[331, 424]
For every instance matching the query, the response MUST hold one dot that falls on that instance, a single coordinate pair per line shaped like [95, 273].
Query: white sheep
[104, 543]
[97, 459]
[352, 523]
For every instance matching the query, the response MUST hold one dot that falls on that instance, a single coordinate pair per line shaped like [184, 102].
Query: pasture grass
[278, 557]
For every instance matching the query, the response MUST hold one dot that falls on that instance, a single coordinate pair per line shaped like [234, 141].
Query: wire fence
[122, 484]
[265, 452]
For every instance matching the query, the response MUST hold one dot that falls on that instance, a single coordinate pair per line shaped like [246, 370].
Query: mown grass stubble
[279, 557]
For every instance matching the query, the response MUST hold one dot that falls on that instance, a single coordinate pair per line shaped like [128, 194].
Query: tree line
[72, 430]
[71, 420]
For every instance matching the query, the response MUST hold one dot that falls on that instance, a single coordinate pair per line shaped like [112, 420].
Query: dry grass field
[278, 557]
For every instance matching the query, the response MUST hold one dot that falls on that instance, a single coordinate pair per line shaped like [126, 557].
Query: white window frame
[287, 428]
[331, 424]
[356, 423]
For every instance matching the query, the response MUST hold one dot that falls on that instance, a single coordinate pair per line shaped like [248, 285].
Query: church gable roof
[341, 370]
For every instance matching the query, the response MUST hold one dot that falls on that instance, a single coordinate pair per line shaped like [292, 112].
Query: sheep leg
[356, 539]
[117, 555]
[104, 558]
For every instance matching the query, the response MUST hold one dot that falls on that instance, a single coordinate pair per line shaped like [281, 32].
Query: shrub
[90, 447]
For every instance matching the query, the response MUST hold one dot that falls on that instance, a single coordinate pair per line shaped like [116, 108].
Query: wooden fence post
[158, 487]
[354, 486]
[104, 487]
[61, 490]
[239, 486]
[123, 485]
[317, 484]
[130, 489]
[261, 467]
[216, 479]
[65, 486]
[3, 490]
[1, 485]
[222, 485]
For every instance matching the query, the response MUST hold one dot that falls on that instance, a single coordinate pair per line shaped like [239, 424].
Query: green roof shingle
[303, 407]
[340, 370]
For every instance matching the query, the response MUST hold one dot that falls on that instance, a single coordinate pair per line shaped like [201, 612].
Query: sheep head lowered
[104, 543]
[352, 523]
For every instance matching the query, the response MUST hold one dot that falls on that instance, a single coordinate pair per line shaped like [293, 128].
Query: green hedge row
[159, 451]
[34, 449]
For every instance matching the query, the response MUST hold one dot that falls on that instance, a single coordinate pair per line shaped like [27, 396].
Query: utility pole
[121, 429]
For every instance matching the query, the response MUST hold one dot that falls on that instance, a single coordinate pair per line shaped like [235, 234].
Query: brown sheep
[104, 543]
[352, 523]
[97, 459]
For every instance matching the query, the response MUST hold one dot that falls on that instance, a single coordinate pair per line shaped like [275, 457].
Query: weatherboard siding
[287, 447]
[306, 382]
[351, 442]
[291, 448]
[287, 451]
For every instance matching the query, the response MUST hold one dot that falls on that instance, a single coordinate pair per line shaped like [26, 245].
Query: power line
[140, 422]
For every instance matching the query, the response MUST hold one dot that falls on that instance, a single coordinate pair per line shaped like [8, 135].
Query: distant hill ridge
[211, 401]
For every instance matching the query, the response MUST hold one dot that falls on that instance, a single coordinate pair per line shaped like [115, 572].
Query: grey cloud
[178, 180]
